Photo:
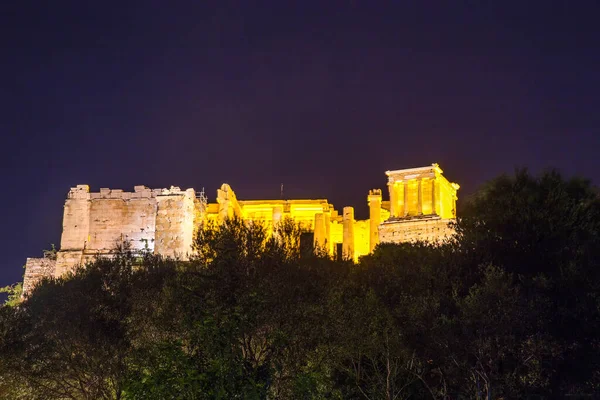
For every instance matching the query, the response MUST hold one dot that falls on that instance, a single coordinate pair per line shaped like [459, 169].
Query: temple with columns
[421, 206]
[422, 203]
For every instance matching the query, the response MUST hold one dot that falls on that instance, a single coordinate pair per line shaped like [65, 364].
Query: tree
[246, 317]
[14, 292]
[270, 298]
[69, 338]
[545, 230]
[534, 225]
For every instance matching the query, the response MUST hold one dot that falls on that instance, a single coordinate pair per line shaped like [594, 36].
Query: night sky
[322, 96]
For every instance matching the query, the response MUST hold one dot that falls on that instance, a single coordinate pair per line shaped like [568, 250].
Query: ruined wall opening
[338, 251]
[307, 243]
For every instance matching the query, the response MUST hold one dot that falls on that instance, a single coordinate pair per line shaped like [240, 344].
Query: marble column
[433, 210]
[348, 233]
[420, 196]
[405, 212]
[327, 223]
[374, 199]
[393, 199]
[319, 233]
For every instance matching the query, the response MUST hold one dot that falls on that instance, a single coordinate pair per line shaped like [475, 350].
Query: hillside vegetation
[510, 308]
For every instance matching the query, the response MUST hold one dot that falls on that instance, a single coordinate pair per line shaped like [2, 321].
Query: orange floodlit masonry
[421, 204]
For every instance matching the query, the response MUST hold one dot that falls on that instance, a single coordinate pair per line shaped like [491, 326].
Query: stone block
[37, 269]
[434, 230]
[175, 225]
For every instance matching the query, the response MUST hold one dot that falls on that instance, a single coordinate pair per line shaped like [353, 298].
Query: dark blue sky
[323, 96]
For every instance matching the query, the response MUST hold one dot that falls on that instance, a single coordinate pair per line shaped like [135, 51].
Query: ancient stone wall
[425, 229]
[76, 218]
[159, 220]
[97, 222]
[447, 198]
[228, 204]
[165, 220]
[66, 260]
[35, 270]
[422, 203]
[362, 230]
[116, 220]
[175, 223]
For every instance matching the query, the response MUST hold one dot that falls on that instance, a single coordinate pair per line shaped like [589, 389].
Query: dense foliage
[508, 309]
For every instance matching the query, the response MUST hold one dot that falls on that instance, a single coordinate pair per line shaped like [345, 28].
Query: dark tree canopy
[531, 225]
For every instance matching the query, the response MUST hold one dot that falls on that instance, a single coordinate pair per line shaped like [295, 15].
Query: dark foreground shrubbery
[510, 309]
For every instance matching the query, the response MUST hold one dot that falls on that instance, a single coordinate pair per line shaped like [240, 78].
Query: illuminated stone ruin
[164, 221]
[422, 203]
